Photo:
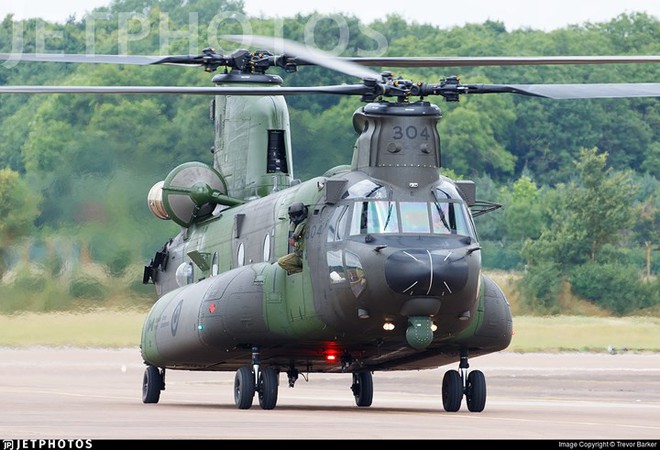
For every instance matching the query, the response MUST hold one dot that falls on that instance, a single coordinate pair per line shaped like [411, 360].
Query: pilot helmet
[297, 212]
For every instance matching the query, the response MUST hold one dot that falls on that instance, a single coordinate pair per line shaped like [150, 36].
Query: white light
[388, 326]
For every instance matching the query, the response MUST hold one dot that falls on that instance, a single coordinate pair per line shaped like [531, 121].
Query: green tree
[602, 202]
[523, 210]
[593, 211]
[19, 207]
[647, 224]
[469, 136]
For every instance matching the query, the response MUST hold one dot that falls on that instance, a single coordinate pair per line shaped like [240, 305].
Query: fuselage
[391, 275]
[377, 263]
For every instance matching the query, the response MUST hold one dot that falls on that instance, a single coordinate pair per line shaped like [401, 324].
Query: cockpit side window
[451, 217]
[450, 213]
[337, 224]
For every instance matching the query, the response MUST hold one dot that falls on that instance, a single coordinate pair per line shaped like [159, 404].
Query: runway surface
[68, 393]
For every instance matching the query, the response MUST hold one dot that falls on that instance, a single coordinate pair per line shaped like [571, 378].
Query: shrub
[616, 287]
[540, 288]
[87, 287]
[501, 256]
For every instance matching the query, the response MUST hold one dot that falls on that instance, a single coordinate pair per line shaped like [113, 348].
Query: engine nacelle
[155, 201]
[190, 192]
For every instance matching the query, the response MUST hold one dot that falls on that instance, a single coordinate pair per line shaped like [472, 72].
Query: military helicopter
[382, 271]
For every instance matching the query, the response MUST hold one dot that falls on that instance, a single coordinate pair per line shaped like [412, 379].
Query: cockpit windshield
[445, 216]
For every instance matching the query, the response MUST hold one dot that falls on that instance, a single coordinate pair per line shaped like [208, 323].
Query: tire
[244, 388]
[452, 391]
[475, 391]
[268, 386]
[152, 384]
[363, 388]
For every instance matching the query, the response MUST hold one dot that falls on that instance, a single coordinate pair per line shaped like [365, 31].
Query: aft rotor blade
[355, 89]
[349, 65]
[309, 56]
[451, 61]
[96, 59]
[570, 91]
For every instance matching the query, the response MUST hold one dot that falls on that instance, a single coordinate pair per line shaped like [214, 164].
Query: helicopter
[372, 266]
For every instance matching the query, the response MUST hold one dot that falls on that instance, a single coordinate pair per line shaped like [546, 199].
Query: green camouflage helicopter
[372, 266]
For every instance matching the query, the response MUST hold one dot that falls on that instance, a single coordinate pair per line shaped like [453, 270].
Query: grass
[583, 333]
[89, 329]
[120, 329]
[116, 321]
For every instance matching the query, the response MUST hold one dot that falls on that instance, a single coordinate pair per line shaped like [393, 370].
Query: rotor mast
[399, 142]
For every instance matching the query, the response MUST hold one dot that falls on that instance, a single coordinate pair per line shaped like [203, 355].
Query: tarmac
[96, 394]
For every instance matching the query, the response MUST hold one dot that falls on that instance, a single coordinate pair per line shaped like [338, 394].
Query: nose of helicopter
[426, 273]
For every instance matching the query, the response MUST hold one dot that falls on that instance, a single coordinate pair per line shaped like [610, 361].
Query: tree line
[577, 179]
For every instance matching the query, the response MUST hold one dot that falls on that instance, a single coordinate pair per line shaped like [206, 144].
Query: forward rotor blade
[309, 56]
[451, 61]
[553, 91]
[356, 89]
[571, 91]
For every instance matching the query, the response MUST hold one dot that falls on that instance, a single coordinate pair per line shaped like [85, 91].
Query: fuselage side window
[267, 247]
[336, 266]
[240, 255]
[215, 265]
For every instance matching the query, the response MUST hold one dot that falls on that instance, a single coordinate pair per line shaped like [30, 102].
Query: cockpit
[388, 217]
[369, 213]
[372, 211]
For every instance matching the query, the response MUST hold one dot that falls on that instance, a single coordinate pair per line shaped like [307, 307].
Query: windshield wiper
[440, 211]
[389, 214]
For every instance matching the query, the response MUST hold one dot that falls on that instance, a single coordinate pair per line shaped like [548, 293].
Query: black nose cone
[420, 272]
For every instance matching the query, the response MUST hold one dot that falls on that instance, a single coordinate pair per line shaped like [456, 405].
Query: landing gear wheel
[268, 384]
[363, 388]
[475, 391]
[152, 384]
[244, 388]
[452, 391]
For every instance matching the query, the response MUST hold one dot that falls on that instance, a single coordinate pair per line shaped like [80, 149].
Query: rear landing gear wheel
[475, 391]
[244, 388]
[268, 385]
[363, 388]
[452, 391]
[152, 383]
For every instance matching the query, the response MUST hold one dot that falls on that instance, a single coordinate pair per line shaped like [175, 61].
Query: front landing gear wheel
[268, 384]
[475, 391]
[152, 383]
[363, 388]
[244, 388]
[452, 391]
